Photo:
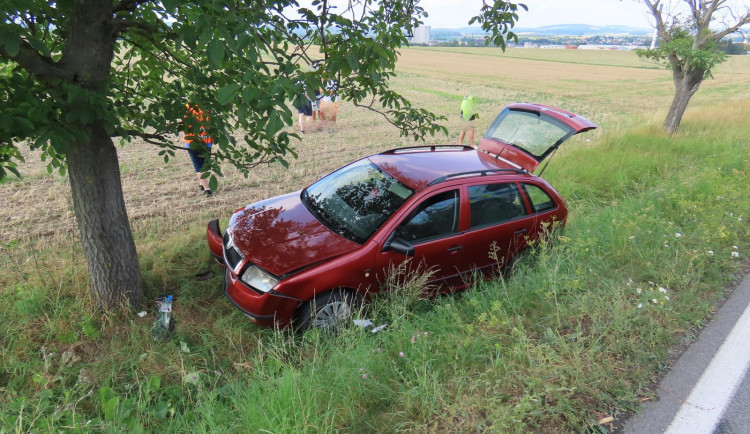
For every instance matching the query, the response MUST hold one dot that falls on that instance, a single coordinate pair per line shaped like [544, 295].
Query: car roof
[418, 167]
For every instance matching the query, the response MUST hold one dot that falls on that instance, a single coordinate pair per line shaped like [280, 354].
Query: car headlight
[259, 279]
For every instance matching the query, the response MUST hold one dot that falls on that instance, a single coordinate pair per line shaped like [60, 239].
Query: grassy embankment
[564, 342]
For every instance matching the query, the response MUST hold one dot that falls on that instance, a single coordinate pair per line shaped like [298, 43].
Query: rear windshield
[534, 134]
[355, 200]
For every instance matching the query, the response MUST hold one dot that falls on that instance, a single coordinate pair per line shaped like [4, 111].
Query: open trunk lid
[524, 134]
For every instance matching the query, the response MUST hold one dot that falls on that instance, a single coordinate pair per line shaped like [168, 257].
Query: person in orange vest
[199, 149]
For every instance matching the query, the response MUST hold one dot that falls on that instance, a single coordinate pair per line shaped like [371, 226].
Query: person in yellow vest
[199, 148]
[469, 115]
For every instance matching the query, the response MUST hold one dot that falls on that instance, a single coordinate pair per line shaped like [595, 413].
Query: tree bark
[685, 85]
[94, 173]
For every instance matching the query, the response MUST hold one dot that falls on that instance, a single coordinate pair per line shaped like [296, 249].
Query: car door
[546, 210]
[432, 228]
[500, 225]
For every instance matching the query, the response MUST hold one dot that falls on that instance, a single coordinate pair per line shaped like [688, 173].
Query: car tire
[329, 311]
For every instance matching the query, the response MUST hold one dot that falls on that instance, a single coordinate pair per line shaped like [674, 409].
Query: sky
[456, 13]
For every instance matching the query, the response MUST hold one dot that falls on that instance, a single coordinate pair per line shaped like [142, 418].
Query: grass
[555, 348]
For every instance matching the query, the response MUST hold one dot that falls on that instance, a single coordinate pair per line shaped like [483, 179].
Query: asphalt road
[708, 388]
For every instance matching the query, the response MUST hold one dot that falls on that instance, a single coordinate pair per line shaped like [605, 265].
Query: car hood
[280, 235]
[524, 134]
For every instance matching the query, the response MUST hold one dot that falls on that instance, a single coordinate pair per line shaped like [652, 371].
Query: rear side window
[436, 217]
[540, 200]
[494, 203]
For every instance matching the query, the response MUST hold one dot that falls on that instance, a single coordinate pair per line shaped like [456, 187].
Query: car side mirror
[402, 246]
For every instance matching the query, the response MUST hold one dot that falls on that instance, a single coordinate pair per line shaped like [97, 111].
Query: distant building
[607, 47]
[421, 35]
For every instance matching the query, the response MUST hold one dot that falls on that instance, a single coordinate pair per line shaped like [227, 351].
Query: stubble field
[615, 89]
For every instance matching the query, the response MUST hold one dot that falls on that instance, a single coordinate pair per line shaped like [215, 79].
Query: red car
[308, 258]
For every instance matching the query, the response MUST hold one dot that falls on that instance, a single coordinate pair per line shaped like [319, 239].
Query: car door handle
[454, 249]
[520, 232]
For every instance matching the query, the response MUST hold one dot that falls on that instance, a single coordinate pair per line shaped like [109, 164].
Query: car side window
[494, 203]
[435, 217]
[540, 200]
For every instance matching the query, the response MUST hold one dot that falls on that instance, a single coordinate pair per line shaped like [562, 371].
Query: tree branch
[129, 5]
[373, 109]
[30, 23]
[745, 19]
[123, 24]
[150, 138]
[262, 160]
[41, 67]
[165, 64]
[661, 28]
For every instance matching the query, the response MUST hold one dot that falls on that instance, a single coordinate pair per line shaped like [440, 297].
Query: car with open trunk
[309, 258]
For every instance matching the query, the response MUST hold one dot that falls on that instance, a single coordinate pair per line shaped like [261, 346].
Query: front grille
[233, 257]
[231, 254]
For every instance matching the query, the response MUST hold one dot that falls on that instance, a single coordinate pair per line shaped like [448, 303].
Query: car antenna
[547, 163]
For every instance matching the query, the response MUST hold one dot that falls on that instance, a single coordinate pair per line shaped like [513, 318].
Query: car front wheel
[328, 311]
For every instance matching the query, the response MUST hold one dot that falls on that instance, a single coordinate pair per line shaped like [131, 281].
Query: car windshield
[355, 200]
[534, 134]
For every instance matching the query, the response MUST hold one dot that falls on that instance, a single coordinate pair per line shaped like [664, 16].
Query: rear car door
[500, 225]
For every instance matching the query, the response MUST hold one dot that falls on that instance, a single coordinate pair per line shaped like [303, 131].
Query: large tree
[689, 45]
[74, 74]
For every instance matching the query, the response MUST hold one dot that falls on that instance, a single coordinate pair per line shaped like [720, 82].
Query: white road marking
[702, 410]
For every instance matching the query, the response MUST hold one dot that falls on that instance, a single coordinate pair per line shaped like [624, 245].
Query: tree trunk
[107, 241]
[685, 86]
[93, 168]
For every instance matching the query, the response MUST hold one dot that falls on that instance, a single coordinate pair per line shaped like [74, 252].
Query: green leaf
[110, 408]
[160, 410]
[170, 5]
[353, 61]
[154, 382]
[215, 53]
[38, 45]
[24, 122]
[213, 183]
[12, 169]
[11, 42]
[227, 93]
[274, 124]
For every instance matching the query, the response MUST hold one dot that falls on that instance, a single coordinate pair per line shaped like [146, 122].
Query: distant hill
[560, 29]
